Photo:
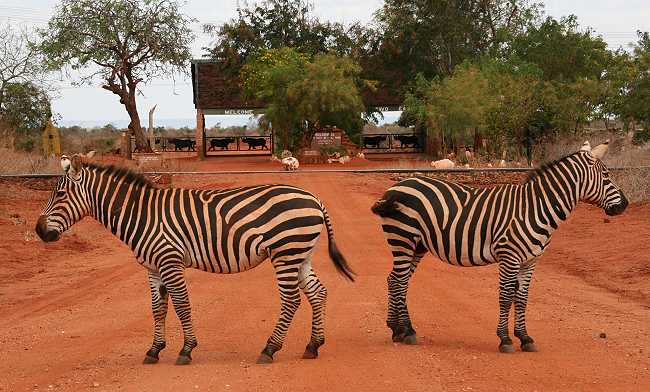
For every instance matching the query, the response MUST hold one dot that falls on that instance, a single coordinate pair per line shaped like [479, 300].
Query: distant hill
[223, 120]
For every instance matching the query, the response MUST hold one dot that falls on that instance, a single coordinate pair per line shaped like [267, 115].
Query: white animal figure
[443, 164]
[344, 159]
[502, 163]
[361, 155]
[290, 163]
[467, 165]
[286, 154]
[275, 159]
[489, 164]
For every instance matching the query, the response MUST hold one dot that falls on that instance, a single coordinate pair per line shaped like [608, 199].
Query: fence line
[360, 171]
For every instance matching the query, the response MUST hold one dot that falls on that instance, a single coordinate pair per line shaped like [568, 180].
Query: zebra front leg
[174, 280]
[521, 299]
[508, 269]
[317, 295]
[398, 320]
[287, 275]
[159, 309]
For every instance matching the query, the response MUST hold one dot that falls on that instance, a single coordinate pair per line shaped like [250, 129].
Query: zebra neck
[553, 196]
[120, 205]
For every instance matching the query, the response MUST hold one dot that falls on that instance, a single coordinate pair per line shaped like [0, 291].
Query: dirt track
[75, 315]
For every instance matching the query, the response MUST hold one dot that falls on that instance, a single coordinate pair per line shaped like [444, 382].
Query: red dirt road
[75, 315]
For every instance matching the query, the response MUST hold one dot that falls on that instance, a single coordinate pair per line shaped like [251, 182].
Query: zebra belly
[228, 260]
[465, 260]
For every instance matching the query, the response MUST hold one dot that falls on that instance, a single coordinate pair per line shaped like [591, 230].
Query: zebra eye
[60, 193]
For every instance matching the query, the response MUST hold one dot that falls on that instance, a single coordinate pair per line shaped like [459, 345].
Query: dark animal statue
[222, 143]
[254, 142]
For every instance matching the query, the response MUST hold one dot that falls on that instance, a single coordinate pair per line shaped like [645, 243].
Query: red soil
[75, 313]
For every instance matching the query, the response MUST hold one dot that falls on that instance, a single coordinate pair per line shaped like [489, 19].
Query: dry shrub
[634, 180]
[635, 183]
[20, 162]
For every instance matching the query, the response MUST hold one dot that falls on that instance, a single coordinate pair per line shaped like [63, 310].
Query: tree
[274, 24]
[24, 93]
[26, 110]
[637, 101]
[432, 37]
[303, 95]
[561, 50]
[122, 42]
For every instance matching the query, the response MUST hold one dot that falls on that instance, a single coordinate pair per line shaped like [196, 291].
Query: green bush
[26, 144]
[641, 137]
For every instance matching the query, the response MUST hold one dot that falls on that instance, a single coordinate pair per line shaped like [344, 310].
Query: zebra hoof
[529, 347]
[507, 348]
[410, 340]
[398, 338]
[183, 360]
[311, 351]
[149, 360]
[310, 355]
[264, 359]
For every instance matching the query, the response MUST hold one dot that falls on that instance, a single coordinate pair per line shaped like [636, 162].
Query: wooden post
[152, 140]
[200, 130]
[126, 144]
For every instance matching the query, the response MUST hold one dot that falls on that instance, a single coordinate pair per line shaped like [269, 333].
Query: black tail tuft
[339, 261]
[335, 254]
[385, 207]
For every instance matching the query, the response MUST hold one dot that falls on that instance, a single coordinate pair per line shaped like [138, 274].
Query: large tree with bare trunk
[122, 43]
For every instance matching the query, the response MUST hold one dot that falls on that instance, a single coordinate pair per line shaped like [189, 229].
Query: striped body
[510, 225]
[219, 231]
[225, 231]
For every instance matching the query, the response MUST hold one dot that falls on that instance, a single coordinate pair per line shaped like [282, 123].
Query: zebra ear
[586, 146]
[600, 150]
[76, 162]
[65, 163]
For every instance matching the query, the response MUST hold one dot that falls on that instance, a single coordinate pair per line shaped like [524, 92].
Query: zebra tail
[385, 207]
[335, 254]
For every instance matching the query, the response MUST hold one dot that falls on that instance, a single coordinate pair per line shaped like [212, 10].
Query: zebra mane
[546, 166]
[129, 176]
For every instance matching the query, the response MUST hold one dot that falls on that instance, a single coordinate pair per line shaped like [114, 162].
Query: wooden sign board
[326, 137]
[51, 140]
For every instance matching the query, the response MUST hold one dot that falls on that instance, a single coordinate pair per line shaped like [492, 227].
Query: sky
[616, 21]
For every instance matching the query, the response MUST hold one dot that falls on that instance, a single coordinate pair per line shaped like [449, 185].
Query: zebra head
[599, 188]
[68, 202]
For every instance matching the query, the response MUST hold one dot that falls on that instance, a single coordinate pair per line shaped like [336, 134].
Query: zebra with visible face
[220, 231]
[510, 225]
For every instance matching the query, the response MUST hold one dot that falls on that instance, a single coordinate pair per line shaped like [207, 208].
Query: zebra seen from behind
[220, 231]
[509, 224]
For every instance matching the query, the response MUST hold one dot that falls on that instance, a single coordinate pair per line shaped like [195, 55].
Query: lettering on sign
[238, 111]
[390, 108]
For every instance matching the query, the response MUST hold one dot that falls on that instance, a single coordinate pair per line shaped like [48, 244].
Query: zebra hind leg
[174, 280]
[287, 275]
[317, 295]
[405, 261]
[521, 299]
[159, 307]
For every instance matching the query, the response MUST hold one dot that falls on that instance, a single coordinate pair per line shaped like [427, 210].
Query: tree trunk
[135, 128]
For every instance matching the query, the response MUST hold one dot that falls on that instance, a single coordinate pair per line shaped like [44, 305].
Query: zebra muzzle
[46, 234]
[617, 208]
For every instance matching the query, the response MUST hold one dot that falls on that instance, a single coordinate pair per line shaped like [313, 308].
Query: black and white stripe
[220, 231]
[510, 225]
